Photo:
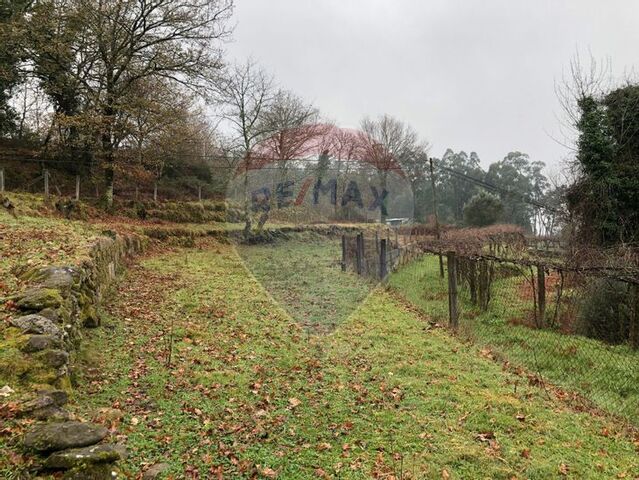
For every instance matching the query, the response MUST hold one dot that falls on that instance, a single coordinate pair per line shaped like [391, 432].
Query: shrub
[605, 311]
[483, 209]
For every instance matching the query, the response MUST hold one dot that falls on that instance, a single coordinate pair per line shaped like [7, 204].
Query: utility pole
[437, 233]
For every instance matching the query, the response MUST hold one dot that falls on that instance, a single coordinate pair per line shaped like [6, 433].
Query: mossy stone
[78, 457]
[37, 299]
[50, 437]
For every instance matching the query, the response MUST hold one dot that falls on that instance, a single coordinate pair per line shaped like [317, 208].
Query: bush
[605, 311]
[482, 210]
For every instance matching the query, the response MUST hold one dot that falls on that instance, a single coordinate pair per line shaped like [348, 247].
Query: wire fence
[89, 186]
[569, 329]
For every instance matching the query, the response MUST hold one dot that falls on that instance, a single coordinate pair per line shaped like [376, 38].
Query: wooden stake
[383, 268]
[46, 184]
[437, 233]
[77, 187]
[453, 313]
[541, 294]
[343, 253]
[359, 252]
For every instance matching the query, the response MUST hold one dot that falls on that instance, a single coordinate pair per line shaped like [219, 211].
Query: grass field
[607, 375]
[250, 392]
[304, 276]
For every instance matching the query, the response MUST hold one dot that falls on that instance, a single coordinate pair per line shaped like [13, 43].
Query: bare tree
[245, 92]
[293, 125]
[294, 133]
[583, 79]
[346, 150]
[385, 141]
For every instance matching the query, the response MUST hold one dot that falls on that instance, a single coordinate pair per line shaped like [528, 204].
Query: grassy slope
[301, 280]
[607, 375]
[249, 391]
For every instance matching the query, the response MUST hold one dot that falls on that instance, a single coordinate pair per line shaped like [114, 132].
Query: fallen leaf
[269, 472]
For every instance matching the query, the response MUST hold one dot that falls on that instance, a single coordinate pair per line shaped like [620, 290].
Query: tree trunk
[109, 157]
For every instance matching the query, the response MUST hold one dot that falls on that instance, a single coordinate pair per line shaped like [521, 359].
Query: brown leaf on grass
[520, 417]
[324, 446]
[525, 453]
[485, 436]
[445, 474]
[487, 353]
[564, 469]
[294, 402]
[269, 472]
[321, 473]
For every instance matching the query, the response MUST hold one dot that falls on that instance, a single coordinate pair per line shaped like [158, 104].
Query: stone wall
[62, 300]
[59, 302]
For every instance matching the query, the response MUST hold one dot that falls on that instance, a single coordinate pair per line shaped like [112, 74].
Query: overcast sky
[468, 74]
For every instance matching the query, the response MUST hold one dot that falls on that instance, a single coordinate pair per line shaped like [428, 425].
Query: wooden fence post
[453, 313]
[472, 280]
[199, 193]
[46, 184]
[633, 335]
[155, 191]
[77, 188]
[484, 285]
[359, 253]
[343, 253]
[383, 267]
[541, 293]
[1, 180]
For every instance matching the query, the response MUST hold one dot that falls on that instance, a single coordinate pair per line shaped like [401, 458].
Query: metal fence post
[359, 251]
[383, 267]
[343, 253]
[453, 313]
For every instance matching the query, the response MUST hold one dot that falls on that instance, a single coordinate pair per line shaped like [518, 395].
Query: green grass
[304, 276]
[606, 375]
[250, 393]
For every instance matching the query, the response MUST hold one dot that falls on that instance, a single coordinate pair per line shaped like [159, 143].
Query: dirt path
[250, 394]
